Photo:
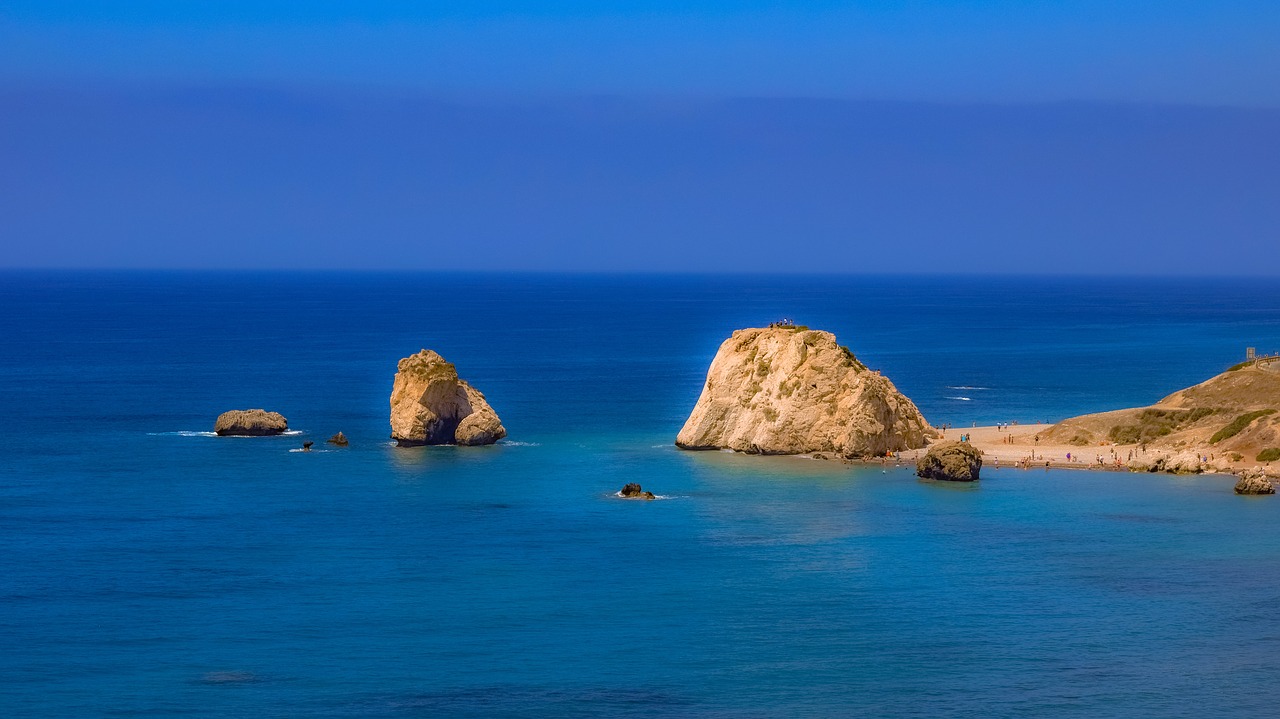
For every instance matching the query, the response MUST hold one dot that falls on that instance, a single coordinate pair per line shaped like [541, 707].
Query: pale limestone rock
[431, 405]
[250, 423]
[1254, 481]
[790, 390]
[1184, 462]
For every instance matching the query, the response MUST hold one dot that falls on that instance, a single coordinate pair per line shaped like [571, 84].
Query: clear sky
[1193, 51]
[642, 135]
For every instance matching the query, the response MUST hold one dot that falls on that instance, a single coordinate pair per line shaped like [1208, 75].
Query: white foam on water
[618, 495]
[962, 399]
[312, 451]
[182, 433]
[507, 443]
[192, 433]
[965, 386]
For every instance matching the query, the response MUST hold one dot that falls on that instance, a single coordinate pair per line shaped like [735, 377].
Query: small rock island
[430, 404]
[250, 423]
[631, 490]
[786, 389]
[950, 462]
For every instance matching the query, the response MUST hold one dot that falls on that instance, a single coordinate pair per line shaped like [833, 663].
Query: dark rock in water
[250, 423]
[339, 439]
[950, 462]
[1254, 481]
[306, 446]
[635, 491]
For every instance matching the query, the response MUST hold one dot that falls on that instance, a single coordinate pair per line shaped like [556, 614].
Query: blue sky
[1178, 51]
[645, 135]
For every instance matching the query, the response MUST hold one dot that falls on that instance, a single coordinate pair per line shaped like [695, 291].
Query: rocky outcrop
[950, 462]
[250, 423]
[1184, 462]
[1254, 481]
[791, 390]
[431, 405]
[339, 439]
[635, 491]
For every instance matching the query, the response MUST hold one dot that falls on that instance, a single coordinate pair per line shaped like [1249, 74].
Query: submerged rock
[790, 390]
[635, 491]
[950, 462]
[250, 423]
[339, 439]
[430, 404]
[1254, 481]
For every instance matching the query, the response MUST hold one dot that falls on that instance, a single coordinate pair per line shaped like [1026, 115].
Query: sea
[150, 569]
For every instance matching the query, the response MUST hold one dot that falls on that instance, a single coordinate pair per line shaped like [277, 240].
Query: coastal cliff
[791, 390]
[430, 404]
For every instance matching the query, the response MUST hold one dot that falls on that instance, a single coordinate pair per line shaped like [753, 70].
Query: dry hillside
[1234, 415]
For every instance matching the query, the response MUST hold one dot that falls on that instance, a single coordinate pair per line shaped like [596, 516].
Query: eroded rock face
[250, 423]
[790, 390]
[430, 404]
[1254, 481]
[950, 462]
[1184, 462]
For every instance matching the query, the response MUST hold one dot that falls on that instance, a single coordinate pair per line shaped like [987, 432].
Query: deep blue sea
[148, 570]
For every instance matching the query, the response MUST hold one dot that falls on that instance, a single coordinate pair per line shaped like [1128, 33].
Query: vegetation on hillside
[1238, 425]
[1152, 424]
[1269, 455]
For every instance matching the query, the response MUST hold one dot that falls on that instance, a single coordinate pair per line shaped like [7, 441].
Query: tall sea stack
[790, 390]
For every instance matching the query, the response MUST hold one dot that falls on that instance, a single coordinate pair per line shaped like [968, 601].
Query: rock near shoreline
[950, 462]
[791, 390]
[430, 404]
[1254, 481]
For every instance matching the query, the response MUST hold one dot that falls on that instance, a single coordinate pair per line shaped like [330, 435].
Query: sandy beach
[1020, 445]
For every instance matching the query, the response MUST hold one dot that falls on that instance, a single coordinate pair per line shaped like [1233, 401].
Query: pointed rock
[790, 390]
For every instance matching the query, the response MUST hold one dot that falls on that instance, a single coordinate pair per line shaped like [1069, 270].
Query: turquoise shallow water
[149, 571]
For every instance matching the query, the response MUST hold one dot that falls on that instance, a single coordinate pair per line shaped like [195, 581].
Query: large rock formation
[950, 462]
[791, 390]
[250, 423]
[431, 405]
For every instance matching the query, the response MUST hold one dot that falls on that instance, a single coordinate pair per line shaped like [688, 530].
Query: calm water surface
[149, 571]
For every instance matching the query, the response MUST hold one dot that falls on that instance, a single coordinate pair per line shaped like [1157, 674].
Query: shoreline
[1019, 446]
